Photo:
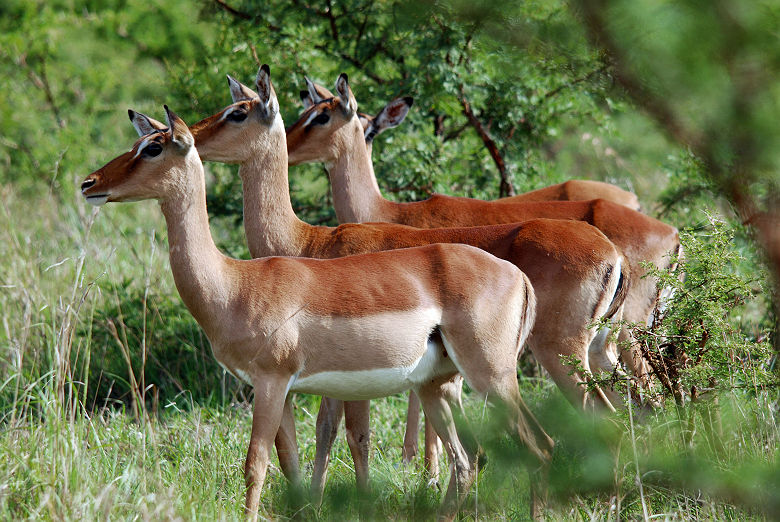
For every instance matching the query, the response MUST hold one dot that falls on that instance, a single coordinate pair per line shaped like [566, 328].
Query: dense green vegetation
[111, 405]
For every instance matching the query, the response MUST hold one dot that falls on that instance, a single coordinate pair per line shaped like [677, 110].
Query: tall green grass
[111, 407]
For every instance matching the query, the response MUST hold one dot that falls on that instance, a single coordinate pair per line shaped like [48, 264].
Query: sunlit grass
[174, 449]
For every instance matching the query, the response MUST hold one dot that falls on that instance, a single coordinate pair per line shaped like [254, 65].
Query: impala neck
[196, 262]
[356, 195]
[270, 224]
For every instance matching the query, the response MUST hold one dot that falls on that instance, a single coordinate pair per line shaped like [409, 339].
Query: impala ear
[306, 99]
[266, 93]
[390, 116]
[314, 93]
[144, 124]
[239, 91]
[318, 92]
[180, 133]
[348, 102]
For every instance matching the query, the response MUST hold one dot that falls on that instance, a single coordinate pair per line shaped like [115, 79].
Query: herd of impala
[403, 296]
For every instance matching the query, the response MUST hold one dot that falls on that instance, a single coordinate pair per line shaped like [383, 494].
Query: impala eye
[153, 149]
[236, 116]
[321, 119]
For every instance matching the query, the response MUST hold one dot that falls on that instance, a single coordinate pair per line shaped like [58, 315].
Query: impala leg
[525, 429]
[432, 452]
[412, 434]
[495, 377]
[451, 391]
[287, 445]
[328, 420]
[633, 359]
[266, 418]
[541, 446]
[548, 347]
[603, 357]
[462, 464]
[356, 422]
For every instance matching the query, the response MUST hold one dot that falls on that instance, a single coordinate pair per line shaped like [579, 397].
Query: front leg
[287, 446]
[266, 417]
[356, 421]
[328, 420]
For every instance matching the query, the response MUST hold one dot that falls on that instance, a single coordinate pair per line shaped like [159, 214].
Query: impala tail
[529, 314]
[621, 287]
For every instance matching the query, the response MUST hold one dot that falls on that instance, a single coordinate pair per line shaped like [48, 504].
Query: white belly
[378, 382]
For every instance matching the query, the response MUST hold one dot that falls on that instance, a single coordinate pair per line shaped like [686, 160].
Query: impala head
[236, 132]
[326, 126]
[155, 168]
[390, 116]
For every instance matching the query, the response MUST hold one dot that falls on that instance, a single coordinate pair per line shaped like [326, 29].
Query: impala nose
[87, 183]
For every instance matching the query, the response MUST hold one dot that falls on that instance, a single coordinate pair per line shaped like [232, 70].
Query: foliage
[701, 339]
[64, 66]
[550, 105]
[483, 110]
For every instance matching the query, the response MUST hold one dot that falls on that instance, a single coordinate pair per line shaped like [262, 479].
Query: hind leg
[435, 400]
[523, 426]
[493, 374]
[549, 347]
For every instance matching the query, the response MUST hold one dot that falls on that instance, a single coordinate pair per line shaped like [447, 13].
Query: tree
[488, 120]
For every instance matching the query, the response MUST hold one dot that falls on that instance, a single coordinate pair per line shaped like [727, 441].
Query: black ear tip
[343, 76]
[304, 94]
[409, 100]
[131, 114]
[230, 79]
[266, 69]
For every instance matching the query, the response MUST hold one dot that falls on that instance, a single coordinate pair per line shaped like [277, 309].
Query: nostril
[87, 183]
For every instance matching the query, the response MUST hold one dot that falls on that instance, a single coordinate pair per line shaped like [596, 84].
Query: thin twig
[235, 12]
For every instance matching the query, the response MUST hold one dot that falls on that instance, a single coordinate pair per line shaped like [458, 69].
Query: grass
[111, 407]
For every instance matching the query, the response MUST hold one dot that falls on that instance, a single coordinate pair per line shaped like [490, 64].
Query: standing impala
[575, 270]
[354, 328]
[394, 113]
[326, 133]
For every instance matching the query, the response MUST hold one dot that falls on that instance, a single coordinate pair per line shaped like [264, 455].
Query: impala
[326, 133]
[394, 113]
[575, 270]
[355, 328]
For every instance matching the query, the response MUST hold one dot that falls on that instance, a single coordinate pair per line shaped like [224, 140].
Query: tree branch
[232, 11]
[332, 20]
[42, 82]
[454, 133]
[505, 188]
[572, 83]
